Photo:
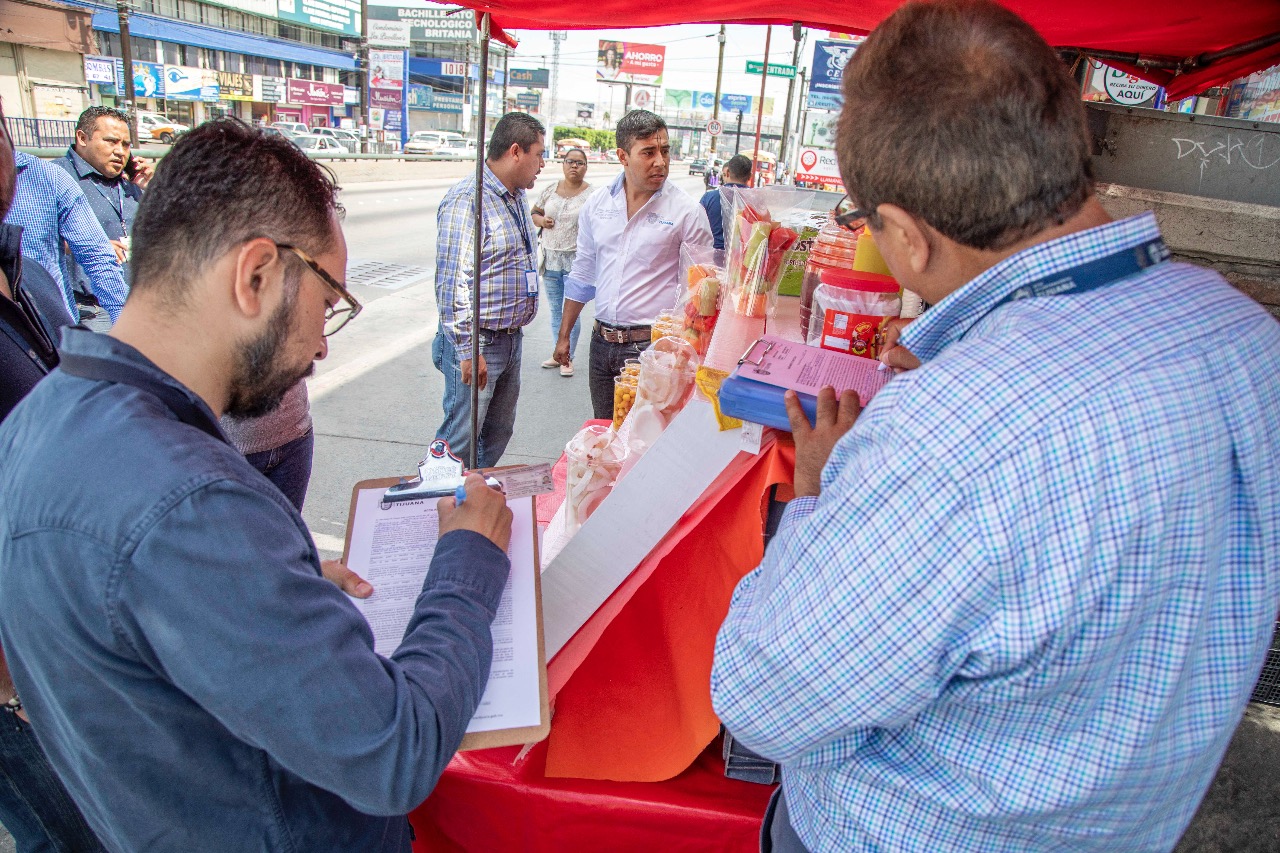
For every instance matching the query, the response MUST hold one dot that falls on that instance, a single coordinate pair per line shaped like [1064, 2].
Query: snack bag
[757, 245]
[667, 370]
[595, 457]
[702, 275]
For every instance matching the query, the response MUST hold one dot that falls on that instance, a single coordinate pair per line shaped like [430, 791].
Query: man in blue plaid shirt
[1023, 604]
[508, 289]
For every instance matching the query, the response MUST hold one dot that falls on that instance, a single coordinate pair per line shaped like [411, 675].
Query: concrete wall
[1241, 241]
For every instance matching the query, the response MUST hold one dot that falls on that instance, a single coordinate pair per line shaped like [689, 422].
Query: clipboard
[508, 736]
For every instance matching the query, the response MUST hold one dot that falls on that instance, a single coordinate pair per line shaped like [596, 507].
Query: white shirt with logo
[631, 267]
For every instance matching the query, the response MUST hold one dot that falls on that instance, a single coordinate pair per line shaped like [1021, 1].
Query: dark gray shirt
[196, 682]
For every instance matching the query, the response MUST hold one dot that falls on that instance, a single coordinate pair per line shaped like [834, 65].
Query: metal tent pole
[481, 121]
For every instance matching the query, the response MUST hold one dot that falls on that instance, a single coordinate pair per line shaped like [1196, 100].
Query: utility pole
[506, 72]
[557, 36]
[715, 108]
[803, 116]
[126, 59]
[797, 32]
[737, 142]
[764, 78]
[366, 129]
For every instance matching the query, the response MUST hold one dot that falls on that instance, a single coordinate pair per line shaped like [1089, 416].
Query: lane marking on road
[328, 542]
[320, 386]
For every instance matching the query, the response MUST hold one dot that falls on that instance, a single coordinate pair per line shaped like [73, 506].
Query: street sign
[715, 128]
[529, 100]
[775, 70]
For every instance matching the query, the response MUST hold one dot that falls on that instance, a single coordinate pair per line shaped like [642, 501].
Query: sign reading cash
[534, 78]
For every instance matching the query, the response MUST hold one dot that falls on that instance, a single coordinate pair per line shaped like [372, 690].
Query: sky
[690, 61]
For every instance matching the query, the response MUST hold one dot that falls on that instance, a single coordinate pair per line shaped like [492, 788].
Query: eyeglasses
[334, 318]
[847, 213]
[577, 164]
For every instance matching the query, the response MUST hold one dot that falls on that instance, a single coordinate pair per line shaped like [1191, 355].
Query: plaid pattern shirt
[1030, 604]
[507, 252]
[51, 208]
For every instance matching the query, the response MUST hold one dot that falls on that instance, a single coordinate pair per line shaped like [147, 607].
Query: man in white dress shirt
[628, 257]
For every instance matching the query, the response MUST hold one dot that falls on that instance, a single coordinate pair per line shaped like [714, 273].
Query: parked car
[314, 142]
[282, 132]
[346, 138]
[158, 128]
[296, 127]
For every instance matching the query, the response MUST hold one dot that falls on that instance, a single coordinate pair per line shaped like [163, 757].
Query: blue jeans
[553, 285]
[497, 409]
[288, 466]
[34, 807]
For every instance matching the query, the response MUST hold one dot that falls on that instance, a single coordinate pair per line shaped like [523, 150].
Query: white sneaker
[550, 363]
[566, 369]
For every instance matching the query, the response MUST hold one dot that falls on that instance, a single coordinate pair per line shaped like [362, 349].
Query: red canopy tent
[1180, 44]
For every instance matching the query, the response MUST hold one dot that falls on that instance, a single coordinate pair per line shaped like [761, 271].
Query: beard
[261, 379]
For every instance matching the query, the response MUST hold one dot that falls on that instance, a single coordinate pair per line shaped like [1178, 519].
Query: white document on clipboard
[391, 546]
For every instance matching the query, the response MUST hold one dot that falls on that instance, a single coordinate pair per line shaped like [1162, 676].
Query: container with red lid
[833, 248]
[850, 310]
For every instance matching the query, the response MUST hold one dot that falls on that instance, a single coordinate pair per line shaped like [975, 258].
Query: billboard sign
[533, 78]
[190, 84]
[426, 21]
[819, 166]
[829, 60]
[100, 69]
[148, 79]
[273, 89]
[586, 111]
[235, 87]
[313, 92]
[630, 62]
[342, 16]
[389, 33]
[387, 99]
[386, 69]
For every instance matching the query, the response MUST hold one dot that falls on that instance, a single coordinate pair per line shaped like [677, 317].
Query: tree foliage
[601, 140]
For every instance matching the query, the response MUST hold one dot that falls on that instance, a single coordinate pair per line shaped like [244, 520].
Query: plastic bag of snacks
[698, 303]
[594, 457]
[667, 370]
[757, 245]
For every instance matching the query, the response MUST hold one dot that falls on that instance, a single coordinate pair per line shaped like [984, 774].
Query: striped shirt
[506, 254]
[1030, 604]
[51, 208]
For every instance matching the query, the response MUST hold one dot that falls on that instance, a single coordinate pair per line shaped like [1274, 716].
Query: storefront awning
[1179, 44]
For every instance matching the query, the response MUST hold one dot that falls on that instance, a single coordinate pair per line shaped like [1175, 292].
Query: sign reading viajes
[427, 21]
[235, 87]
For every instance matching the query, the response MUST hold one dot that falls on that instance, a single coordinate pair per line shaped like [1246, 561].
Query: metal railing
[41, 132]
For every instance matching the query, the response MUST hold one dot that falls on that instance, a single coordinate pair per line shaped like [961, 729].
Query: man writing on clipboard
[1021, 602]
[195, 680]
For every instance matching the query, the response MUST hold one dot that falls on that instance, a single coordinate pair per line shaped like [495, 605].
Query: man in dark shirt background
[736, 174]
[34, 806]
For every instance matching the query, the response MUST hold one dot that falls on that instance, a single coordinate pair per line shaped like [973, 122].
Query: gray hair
[638, 124]
[990, 153]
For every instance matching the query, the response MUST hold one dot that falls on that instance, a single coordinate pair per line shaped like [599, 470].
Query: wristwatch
[14, 705]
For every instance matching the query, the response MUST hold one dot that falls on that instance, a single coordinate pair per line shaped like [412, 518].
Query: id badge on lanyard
[531, 282]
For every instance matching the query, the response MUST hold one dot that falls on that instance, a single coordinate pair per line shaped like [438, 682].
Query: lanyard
[107, 370]
[1093, 274]
[524, 229]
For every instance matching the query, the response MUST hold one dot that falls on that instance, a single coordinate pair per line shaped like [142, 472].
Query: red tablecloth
[632, 702]
[485, 803]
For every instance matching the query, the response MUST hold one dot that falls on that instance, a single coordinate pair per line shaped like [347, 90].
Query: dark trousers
[776, 835]
[288, 466]
[34, 807]
[606, 364]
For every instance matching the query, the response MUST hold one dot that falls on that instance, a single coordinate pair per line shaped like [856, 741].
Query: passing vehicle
[317, 144]
[701, 165]
[158, 128]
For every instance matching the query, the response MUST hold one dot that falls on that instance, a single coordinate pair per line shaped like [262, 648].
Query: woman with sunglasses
[556, 215]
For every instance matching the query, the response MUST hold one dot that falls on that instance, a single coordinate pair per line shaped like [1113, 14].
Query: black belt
[502, 331]
[623, 334]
